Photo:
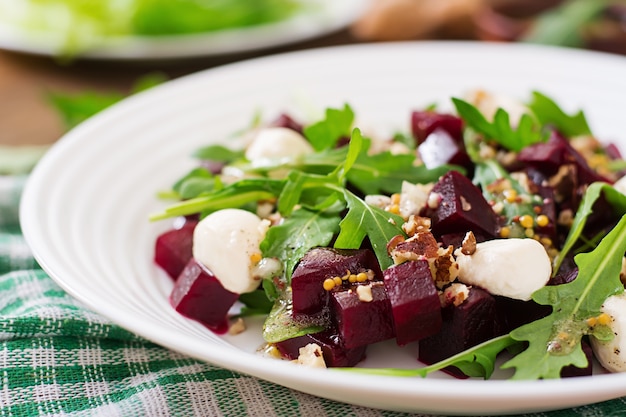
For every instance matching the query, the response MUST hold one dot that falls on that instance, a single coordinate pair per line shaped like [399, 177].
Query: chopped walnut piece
[465, 205]
[364, 292]
[468, 246]
[444, 267]
[237, 327]
[455, 294]
[420, 246]
[311, 355]
[416, 224]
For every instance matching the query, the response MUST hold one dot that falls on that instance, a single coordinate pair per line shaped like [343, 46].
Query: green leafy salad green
[543, 174]
[82, 24]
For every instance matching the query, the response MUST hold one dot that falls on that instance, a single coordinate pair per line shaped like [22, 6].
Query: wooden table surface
[26, 116]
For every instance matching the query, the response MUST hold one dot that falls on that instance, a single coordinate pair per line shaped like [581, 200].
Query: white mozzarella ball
[612, 354]
[513, 268]
[224, 241]
[277, 143]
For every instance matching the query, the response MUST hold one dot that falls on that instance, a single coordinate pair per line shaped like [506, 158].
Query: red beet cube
[423, 123]
[414, 301]
[198, 295]
[333, 349]
[464, 326]
[462, 208]
[173, 249]
[309, 296]
[360, 322]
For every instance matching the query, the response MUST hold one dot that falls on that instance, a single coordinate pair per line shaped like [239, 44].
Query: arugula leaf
[500, 130]
[194, 183]
[255, 303]
[554, 341]
[236, 194]
[280, 324]
[385, 172]
[548, 112]
[616, 199]
[364, 220]
[325, 133]
[478, 361]
[303, 230]
[218, 153]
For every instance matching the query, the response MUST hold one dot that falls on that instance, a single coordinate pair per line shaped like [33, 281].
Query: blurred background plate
[313, 19]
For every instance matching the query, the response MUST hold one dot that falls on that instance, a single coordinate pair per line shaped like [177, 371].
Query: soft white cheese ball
[224, 241]
[276, 143]
[612, 354]
[513, 268]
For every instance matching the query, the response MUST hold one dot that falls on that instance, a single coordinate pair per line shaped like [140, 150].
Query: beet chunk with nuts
[198, 295]
[362, 321]
[333, 349]
[464, 326]
[414, 301]
[173, 249]
[461, 208]
[309, 296]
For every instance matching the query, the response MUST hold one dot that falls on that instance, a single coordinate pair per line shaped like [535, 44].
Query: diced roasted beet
[359, 322]
[462, 208]
[284, 120]
[333, 349]
[414, 301]
[564, 277]
[510, 313]
[440, 148]
[548, 156]
[309, 296]
[198, 295]
[173, 249]
[423, 123]
[571, 370]
[464, 326]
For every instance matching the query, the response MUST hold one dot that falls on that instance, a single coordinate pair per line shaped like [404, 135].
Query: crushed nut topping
[311, 355]
[416, 224]
[237, 327]
[419, 246]
[468, 246]
[465, 205]
[444, 268]
[364, 292]
[455, 294]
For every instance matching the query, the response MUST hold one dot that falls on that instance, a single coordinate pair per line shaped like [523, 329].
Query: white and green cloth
[58, 358]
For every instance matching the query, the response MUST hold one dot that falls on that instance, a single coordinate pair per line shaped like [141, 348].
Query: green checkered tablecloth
[58, 358]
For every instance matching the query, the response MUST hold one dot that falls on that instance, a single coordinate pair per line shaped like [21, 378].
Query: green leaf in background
[500, 130]
[548, 112]
[280, 324]
[562, 25]
[325, 133]
[255, 303]
[76, 108]
[218, 153]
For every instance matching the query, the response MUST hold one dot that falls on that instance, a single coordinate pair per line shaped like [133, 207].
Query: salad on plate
[76, 26]
[495, 230]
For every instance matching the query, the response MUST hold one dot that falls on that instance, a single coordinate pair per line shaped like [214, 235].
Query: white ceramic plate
[84, 211]
[320, 17]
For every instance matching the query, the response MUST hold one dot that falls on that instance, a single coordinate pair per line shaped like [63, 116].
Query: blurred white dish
[84, 211]
[318, 18]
